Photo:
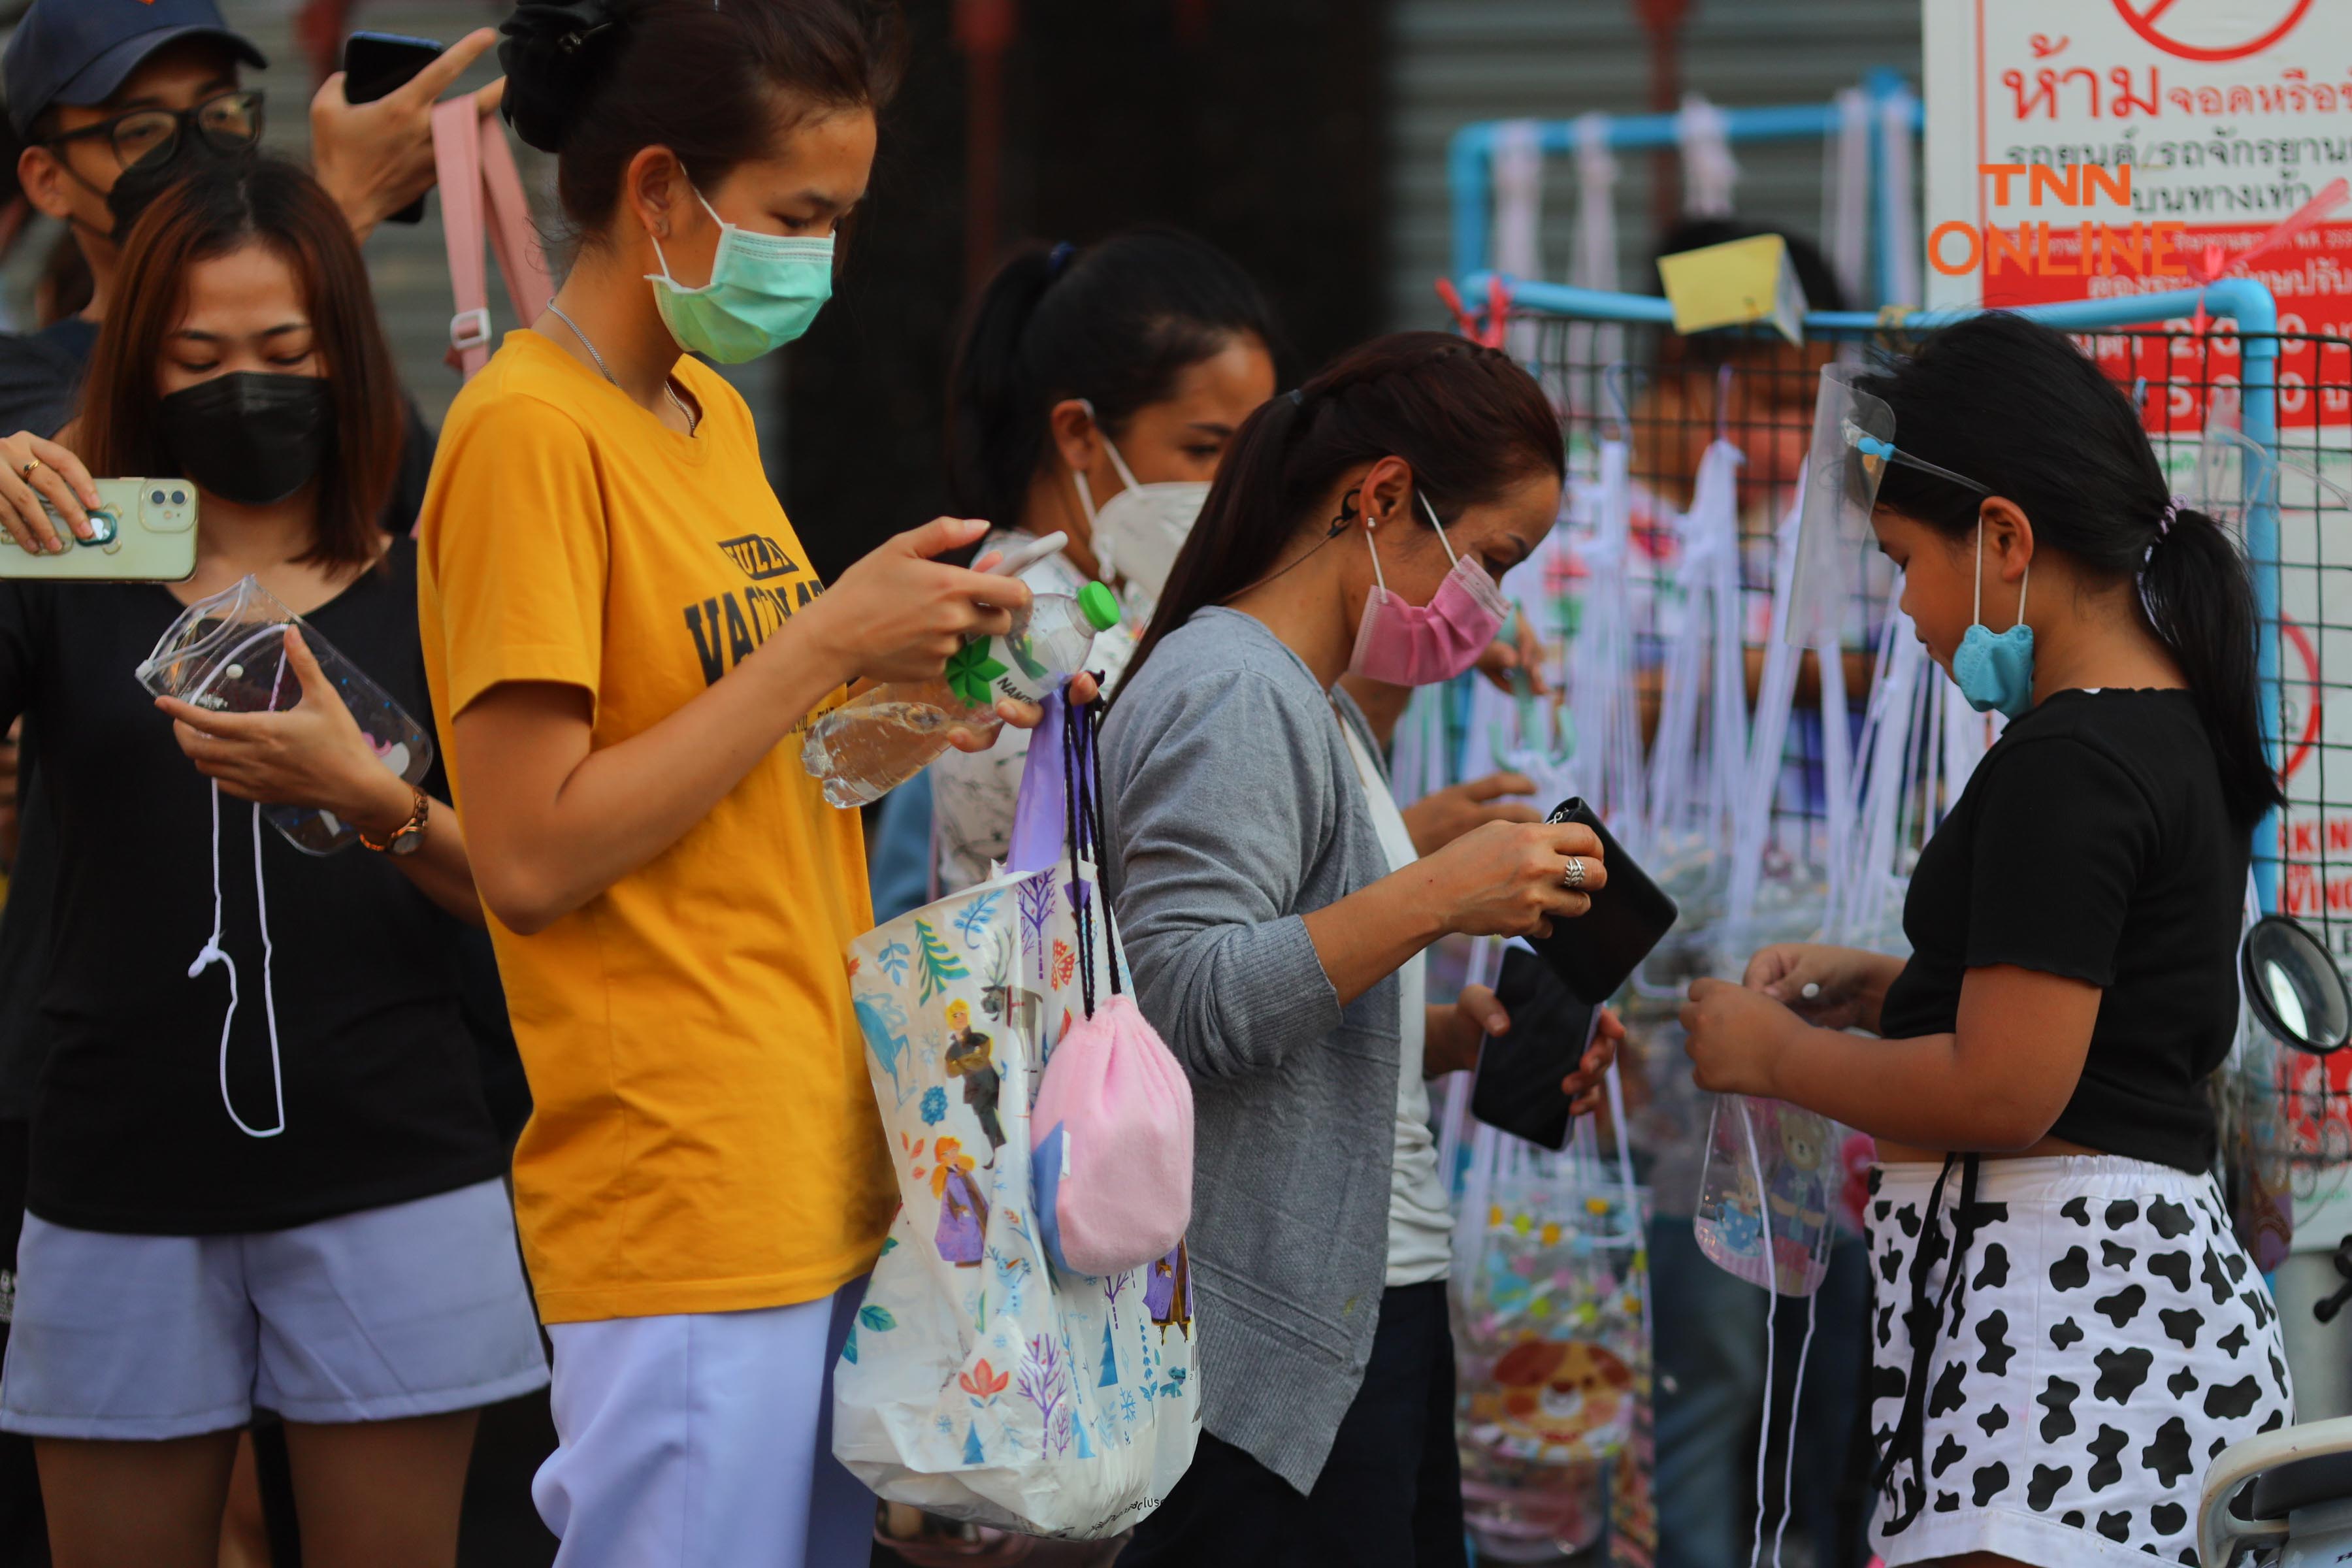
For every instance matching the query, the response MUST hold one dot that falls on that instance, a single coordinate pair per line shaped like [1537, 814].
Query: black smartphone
[1519, 1073]
[375, 64]
[1598, 953]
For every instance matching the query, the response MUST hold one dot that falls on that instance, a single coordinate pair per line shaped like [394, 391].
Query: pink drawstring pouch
[1111, 1161]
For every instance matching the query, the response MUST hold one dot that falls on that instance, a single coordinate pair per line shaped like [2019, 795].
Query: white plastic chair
[2297, 1486]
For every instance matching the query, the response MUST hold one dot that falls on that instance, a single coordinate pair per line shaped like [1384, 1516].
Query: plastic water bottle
[872, 743]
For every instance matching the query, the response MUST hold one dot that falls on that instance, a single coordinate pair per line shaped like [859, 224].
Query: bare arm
[561, 822]
[438, 866]
[1996, 1085]
[556, 821]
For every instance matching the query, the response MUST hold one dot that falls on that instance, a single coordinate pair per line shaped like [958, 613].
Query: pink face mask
[1420, 645]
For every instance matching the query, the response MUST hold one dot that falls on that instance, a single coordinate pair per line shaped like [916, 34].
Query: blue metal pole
[1469, 160]
[2240, 298]
[1894, 221]
[2256, 311]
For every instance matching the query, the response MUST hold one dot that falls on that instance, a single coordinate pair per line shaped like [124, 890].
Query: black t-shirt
[2094, 842]
[383, 1100]
[40, 383]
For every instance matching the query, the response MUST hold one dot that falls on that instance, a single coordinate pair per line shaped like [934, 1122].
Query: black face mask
[250, 437]
[138, 186]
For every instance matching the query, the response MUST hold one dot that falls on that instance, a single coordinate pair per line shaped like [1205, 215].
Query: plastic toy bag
[1769, 1191]
[1550, 1294]
[1550, 1284]
[227, 653]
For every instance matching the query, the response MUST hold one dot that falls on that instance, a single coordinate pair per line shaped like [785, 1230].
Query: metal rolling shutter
[1454, 61]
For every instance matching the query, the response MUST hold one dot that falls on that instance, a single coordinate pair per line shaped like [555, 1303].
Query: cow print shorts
[2107, 1337]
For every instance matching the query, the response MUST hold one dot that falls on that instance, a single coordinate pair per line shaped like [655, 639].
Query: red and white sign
[2226, 116]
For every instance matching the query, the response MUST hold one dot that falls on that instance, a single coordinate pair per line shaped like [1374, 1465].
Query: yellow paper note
[1735, 284]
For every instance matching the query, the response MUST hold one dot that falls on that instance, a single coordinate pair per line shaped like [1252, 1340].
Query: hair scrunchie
[553, 53]
[2164, 522]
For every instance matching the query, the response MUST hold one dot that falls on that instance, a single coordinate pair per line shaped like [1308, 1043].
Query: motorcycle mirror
[2296, 987]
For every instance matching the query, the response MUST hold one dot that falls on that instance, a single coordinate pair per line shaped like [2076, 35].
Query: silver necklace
[557, 311]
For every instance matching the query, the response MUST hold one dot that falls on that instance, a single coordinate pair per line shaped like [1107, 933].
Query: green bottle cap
[1099, 606]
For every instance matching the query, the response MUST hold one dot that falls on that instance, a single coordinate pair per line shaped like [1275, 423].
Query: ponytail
[1469, 421]
[1115, 323]
[994, 442]
[2199, 596]
[2016, 406]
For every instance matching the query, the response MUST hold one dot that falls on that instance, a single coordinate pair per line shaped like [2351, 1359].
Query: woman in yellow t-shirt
[624, 641]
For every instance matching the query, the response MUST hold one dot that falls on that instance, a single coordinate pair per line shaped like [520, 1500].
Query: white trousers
[703, 1440]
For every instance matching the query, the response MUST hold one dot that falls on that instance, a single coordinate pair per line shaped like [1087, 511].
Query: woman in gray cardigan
[1274, 916]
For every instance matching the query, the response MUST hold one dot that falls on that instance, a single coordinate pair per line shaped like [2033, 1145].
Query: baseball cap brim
[98, 80]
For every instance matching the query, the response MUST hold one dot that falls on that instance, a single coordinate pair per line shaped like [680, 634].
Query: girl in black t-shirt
[2067, 1331]
[267, 1179]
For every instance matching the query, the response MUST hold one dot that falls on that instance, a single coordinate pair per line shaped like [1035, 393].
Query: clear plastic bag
[1550, 1287]
[1768, 1192]
[227, 653]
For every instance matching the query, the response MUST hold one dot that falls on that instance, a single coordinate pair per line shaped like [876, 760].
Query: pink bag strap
[472, 167]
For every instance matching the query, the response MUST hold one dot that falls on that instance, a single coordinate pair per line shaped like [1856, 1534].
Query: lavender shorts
[414, 1308]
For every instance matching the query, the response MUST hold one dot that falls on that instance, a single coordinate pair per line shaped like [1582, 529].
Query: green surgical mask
[764, 291]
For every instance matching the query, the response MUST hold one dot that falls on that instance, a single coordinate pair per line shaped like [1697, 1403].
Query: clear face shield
[2237, 477]
[1853, 443]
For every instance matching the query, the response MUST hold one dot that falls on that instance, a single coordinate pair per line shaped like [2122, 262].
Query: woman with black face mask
[267, 1178]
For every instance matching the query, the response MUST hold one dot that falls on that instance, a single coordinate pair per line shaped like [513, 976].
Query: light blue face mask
[764, 291]
[1996, 672]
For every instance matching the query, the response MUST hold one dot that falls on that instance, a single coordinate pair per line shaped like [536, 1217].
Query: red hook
[1488, 332]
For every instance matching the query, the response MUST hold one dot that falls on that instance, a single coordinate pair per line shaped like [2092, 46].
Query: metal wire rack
[2192, 361]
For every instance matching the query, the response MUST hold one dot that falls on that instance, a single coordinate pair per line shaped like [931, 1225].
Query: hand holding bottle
[899, 614]
[892, 730]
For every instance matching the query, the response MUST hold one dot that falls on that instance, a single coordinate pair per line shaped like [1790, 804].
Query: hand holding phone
[1523, 1071]
[1631, 914]
[374, 66]
[141, 531]
[1512, 879]
[375, 156]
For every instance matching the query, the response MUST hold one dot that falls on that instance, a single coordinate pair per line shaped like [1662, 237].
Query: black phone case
[375, 64]
[1598, 953]
[1517, 1086]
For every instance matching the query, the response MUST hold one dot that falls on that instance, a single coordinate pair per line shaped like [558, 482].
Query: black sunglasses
[231, 122]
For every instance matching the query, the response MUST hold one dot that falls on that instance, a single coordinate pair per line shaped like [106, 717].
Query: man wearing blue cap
[95, 86]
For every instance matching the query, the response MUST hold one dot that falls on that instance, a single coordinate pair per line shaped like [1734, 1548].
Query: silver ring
[1573, 877]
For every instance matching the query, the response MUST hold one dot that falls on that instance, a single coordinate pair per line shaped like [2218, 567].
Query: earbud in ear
[1341, 523]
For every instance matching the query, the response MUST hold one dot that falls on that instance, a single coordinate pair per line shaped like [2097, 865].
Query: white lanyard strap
[213, 952]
